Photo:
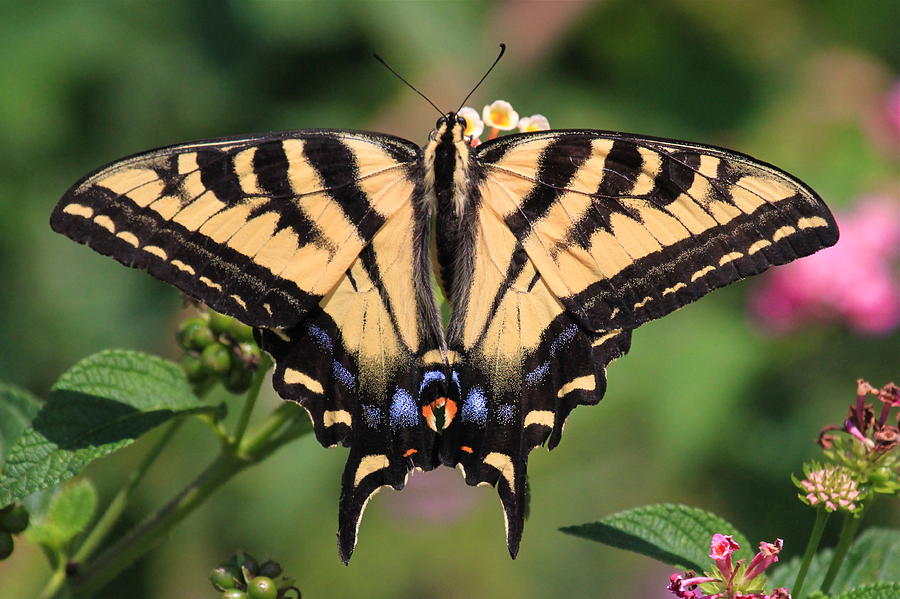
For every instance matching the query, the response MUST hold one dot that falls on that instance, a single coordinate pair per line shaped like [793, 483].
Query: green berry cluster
[242, 577]
[13, 520]
[218, 348]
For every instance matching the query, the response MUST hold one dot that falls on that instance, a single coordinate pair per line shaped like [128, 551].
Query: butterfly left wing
[316, 237]
[579, 237]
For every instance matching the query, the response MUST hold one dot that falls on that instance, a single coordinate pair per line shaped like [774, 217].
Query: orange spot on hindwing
[439, 412]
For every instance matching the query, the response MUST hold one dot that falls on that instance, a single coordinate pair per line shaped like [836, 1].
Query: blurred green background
[707, 409]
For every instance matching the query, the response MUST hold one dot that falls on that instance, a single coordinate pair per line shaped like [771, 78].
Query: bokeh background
[715, 405]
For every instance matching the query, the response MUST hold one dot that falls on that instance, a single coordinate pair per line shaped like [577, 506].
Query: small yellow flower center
[500, 118]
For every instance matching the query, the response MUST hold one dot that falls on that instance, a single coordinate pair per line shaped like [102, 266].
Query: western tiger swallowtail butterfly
[551, 247]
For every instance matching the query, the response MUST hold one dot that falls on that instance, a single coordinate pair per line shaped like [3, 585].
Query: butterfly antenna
[496, 60]
[396, 74]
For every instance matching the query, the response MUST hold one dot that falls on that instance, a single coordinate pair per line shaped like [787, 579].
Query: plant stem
[120, 501]
[250, 401]
[146, 535]
[848, 532]
[55, 582]
[812, 545]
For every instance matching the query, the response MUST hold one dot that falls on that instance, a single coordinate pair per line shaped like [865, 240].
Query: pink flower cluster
[832, 487]
[855, 280]
[732, 580]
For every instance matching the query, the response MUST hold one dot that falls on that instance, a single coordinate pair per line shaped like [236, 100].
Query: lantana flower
[866, 444]
[831, 487]
[474, 124]
[535, 122]
[731, 580]
[500, 115]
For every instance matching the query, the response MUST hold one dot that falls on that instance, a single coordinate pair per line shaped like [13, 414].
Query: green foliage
[882, 590]
[675, 534]
[873, 557]
[17, 408]
[69, 513]
[100, 405]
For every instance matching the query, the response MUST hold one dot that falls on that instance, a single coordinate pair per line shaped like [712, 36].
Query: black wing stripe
[338, 171]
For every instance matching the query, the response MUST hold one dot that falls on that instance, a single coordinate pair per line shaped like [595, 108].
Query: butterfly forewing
[625, 229]
[260, 228]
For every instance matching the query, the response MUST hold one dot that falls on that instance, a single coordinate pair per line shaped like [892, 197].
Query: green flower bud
[217, 358]
[194, 333]
[193, 368]
[6, 544]
[225, 577]
[271, 568]
[249, 566]
[14, 518]
[238, 379]
[234, 594]
[261, 587]
[250, 353]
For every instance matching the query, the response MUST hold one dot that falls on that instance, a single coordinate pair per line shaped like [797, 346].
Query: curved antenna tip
[496, 60]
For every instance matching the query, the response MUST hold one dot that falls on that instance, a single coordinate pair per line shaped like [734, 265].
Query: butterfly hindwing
[525, 362]
[354, 362]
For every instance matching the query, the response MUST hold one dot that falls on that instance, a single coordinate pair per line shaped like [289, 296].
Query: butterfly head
[450, 128]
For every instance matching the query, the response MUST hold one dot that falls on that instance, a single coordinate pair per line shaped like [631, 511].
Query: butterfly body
[550, 247]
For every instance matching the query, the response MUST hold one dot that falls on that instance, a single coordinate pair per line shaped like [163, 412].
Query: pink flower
[768, 555]
[720, 549]
[732, 581]
[892, 108]
[855, 280]
[686, 587]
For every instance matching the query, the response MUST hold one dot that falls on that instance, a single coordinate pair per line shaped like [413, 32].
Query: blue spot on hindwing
[506, 414]
[372, 416]
[429, 377]
[454, 376]
[343, 375]
[475, 407]
[536, 375]
[321, 338]
[563, 339]
[404, 410]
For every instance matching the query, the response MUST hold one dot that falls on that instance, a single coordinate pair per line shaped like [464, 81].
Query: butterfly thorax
[447, 166]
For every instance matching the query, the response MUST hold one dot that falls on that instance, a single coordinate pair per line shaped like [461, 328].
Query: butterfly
[551, 247]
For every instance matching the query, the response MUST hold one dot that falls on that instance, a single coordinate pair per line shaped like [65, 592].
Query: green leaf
[69, 513]
[100, 405]
[873, 557]
[17, 409]
[675, 534]
[881, 590]
[783, 574]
